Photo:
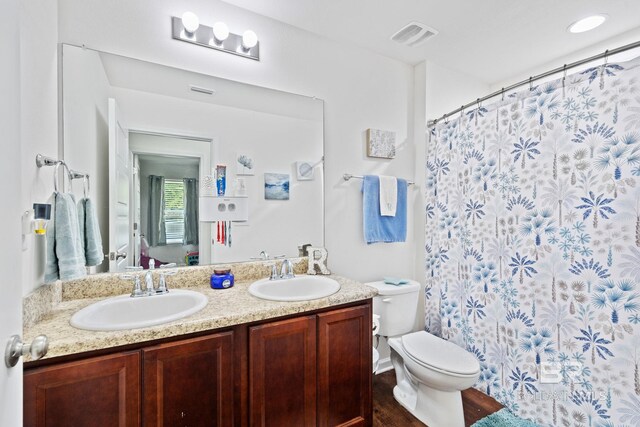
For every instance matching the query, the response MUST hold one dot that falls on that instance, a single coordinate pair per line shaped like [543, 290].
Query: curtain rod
[531, 79]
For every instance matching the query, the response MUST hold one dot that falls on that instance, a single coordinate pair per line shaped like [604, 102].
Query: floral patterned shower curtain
[533, 246]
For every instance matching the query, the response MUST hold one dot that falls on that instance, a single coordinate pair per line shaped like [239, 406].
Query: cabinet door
[344, 367]
[99, 391]
[190, 382]
[282, 374]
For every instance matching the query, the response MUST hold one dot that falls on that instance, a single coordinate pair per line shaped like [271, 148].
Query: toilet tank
[396, 306]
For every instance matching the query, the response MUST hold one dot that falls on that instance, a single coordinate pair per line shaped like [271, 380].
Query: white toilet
[430, 371]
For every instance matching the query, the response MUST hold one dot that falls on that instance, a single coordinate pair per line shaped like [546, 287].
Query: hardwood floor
[389, 413]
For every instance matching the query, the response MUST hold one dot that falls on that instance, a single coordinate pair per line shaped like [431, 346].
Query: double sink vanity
[264, 352]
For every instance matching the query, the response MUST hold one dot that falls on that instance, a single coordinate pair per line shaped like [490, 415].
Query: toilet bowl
[430, 372]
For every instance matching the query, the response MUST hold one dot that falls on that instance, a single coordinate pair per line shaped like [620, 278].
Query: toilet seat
[439, 355]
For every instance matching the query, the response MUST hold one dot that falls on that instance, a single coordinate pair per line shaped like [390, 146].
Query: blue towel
[378, 228]
[90, 233]
[65, 257]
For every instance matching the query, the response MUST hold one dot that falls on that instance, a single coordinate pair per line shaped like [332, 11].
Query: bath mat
[503, 418]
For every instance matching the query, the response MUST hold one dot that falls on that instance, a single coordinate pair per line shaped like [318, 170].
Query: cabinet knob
[16, 349]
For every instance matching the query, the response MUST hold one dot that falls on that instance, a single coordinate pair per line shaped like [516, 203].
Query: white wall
[38, 119]
[10, 170]
[438, 90]
[361, 90]
[86, 130]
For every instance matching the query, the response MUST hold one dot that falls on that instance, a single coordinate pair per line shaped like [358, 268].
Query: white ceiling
[492, 40]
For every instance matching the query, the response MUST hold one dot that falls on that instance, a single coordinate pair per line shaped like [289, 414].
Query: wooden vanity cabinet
[98, 391]
[344, 367]
[312, 370]
[309, 370]
[282, 373]
[189, 382]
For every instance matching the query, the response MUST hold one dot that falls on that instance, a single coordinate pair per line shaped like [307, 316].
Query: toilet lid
[431, 351]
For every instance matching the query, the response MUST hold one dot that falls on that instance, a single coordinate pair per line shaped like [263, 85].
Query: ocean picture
[276, 186]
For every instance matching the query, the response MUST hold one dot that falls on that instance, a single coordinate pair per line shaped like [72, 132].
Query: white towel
[388, 195]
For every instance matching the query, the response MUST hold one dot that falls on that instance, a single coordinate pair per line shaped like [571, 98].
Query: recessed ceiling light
[588, 23]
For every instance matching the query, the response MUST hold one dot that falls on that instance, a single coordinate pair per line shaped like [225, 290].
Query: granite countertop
[225, 308]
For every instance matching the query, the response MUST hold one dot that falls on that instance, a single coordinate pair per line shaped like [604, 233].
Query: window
[174, 210]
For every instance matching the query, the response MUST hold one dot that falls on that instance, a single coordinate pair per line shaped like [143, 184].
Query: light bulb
[220, 31]
[249, 39]
[190, 22]
[588, 23]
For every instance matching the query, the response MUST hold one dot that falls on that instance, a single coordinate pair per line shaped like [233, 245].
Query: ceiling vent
[414, 34]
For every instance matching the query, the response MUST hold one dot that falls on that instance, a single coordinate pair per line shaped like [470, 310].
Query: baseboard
[384, 365]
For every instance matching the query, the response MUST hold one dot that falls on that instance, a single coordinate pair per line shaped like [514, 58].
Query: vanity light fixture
[188, 29]
[587, 24]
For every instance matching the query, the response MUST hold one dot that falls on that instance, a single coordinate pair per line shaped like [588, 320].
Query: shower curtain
[533, 245]
[190, 211]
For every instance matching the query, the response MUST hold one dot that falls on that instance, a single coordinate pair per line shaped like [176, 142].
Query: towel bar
[42, 161]
[348, 176]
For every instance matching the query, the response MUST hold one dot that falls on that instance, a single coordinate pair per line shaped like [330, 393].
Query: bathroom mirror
[169, 130]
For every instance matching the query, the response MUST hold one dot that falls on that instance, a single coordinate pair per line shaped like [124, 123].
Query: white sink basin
[124, 312]
[299, 288]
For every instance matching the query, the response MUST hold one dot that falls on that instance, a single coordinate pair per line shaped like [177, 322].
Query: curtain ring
[462, 111]
[444, 117]
[530, 83]
[478, 103]
[606, 57]
[502, 94]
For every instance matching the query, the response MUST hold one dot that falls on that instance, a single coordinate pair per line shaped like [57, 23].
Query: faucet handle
[274, 272]
[130, 273]
[137, 288]
[264, 256]
[162, 282]
[167, 266]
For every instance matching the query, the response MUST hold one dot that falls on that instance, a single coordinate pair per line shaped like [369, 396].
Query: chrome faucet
[150, 289]
[286, 271]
